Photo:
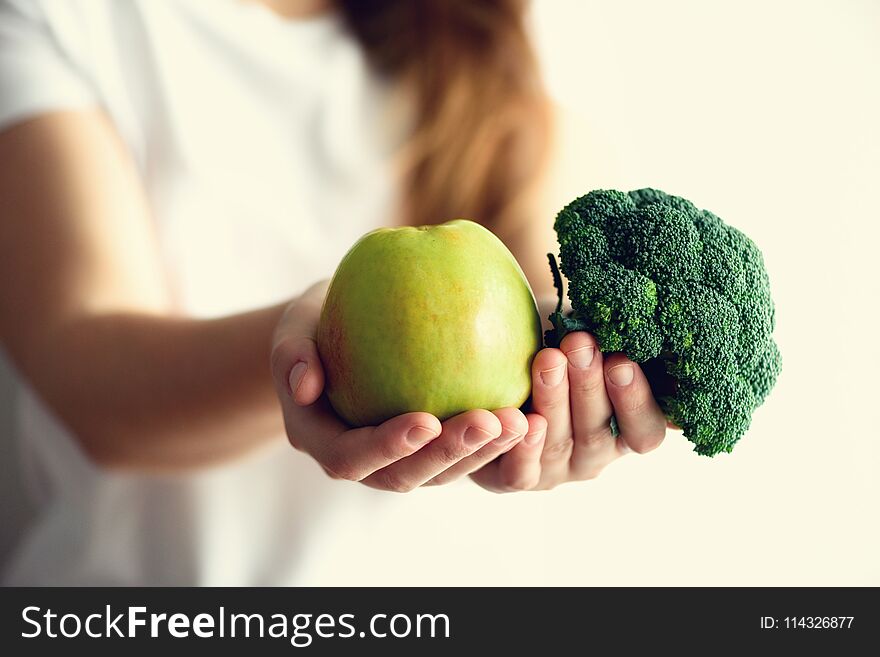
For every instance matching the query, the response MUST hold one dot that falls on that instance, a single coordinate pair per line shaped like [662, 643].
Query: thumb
[297, 370]
[296, 366]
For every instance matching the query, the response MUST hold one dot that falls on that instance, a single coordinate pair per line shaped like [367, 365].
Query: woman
[171, 175]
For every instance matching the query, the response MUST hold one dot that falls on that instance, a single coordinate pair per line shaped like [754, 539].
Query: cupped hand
[398, 455]
[577, 390]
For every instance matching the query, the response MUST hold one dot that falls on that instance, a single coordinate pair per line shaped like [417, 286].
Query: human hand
[399, 455]
[577, 390]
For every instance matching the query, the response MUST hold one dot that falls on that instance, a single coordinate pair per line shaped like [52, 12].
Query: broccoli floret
[678, 291]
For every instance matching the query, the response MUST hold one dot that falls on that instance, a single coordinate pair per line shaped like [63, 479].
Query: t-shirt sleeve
[36, 77]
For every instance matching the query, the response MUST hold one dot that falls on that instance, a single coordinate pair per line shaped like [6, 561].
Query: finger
[461, 436]
[514, 427]
[550, 399]
[297, 370]
[642, 423]
[520, 468]
[355, 454]
[591, 409]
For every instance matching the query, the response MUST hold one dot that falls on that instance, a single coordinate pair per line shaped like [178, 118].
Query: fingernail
[533, 439]
[582, 357]
[475, 436]
[418, 436]
[553, 376]
[296, 375]
[621, 375]
[622, 447]
[507, 437]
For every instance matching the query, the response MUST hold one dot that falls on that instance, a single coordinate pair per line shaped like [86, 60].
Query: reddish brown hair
[481, 120]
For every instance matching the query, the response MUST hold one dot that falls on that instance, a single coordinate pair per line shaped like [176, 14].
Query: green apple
[438, 319]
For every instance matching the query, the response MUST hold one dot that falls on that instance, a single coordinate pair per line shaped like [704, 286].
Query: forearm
[157, 392]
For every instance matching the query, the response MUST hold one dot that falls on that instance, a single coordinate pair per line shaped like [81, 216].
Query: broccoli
[679, 292]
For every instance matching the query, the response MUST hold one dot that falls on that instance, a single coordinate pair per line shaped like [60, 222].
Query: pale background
[767, 113]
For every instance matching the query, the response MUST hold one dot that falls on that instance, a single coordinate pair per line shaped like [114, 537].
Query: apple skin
[437, 319]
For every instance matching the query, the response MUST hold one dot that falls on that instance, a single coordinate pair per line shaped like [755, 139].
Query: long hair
[481, 119]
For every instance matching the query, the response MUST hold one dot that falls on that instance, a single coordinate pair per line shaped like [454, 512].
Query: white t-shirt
[264, 147]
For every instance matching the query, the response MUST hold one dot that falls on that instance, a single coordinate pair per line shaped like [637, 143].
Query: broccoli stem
[562, 324]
